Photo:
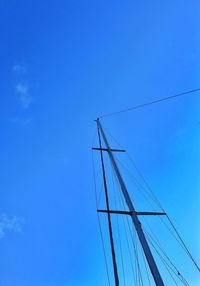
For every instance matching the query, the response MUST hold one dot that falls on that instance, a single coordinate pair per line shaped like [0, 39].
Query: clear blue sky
[63, 63]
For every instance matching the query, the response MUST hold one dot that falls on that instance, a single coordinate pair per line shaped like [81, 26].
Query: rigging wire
[186, 283]
[161, 257]
[99, 223]
[146, 268]
[177, 237]
[138, 185]
[151, 102]
[139, 275]
[183, 243]
[136, 275]
[128, 247]
[170, 221]
[149, 191]
[118, 230]
[175, 234]
[106, 164]
[175, 271]
[102, 184]
[151, 194]
[135, 251]
[154, 239]
[135, 272]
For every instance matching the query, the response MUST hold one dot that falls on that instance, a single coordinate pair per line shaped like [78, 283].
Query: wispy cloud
[19, 69]
[22, 121]
[22, 90]
[10, 224]
[22, 87]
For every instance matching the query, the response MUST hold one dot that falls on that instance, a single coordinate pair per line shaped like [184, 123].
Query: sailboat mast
[147, 251]
[108, 214]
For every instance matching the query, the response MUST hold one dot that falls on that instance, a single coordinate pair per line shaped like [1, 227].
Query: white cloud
[21, 121]
[24, 96]
[8, 224]
[22, 88]
[18, 69]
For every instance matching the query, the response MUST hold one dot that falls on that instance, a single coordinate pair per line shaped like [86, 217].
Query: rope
[178, 275]
[102, 184]
[139, 275]
[184, 245]
[99, 224]
[155, 240]
[182, 279]
[126, 235]
[139, 186]
[157, 202]
[118, 230]
[151, 102]
[146, 269]
[147, 190]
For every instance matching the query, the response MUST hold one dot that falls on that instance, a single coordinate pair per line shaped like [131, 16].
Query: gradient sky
[63, 63]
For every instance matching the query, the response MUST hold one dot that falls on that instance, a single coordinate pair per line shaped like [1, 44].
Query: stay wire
[137, 281]
[144, 193]
[170, 221]
[118, 230]
[151, 102]
[140, 280]
[144, 260]
[155, 199]
[135, 276]
[150, 192]
[160, 256]
[176, 234]
[182, 279]
[141, 188]
[102, 184]
[155, 240]
[135, 251]
[99, 223]
[145, 265]
[101, 188]
[178, 275]
[183, 243]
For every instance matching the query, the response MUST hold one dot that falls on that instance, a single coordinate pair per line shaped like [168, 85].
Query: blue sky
[63, 63]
